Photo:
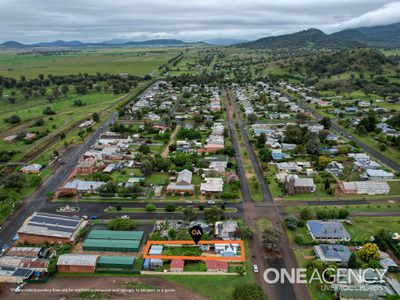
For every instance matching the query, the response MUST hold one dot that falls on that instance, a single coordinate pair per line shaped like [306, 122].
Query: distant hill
[378, 36]
[112, 43]
[59, 43]
[225, 42]
[311, 38]
[12, 44]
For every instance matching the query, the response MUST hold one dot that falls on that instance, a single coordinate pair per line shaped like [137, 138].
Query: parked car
[188, 202]
[93, 217]
[125, 217]
[211, 202]
[19, 288]
[255, 268]
[85, 217]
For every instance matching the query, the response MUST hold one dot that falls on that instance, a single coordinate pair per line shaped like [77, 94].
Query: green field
[111, 61]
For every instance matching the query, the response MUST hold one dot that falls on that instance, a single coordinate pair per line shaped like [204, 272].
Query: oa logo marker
[196, 232]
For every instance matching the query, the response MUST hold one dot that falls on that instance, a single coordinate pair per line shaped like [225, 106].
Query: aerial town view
[220, 150]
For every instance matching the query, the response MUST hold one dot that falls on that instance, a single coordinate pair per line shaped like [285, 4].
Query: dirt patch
[106, 287]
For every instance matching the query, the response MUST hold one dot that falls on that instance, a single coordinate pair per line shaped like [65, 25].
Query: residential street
[253, 213]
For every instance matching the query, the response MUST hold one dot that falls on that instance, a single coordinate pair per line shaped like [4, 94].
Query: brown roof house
[183, 184]
[77, 263]
[296, 185]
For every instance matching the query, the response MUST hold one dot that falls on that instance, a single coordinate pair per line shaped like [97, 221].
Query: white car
[85, 217]
[255, 268]
[19, 288]
[210, 202]
[125, 217]
[188, 202]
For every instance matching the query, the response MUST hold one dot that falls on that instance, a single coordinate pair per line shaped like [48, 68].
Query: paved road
[378, 155]
[97, 209]
[253, 213]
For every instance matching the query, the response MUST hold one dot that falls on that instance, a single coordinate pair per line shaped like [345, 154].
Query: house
[288, 167]
[77, 263]
[86, 166]
[212, 186]
[81, 186]
[31, 169]
[229, 250]
[332, 253]
[295, 185]
[216, 266]
[327, 231]
[11, 138]
[151, 264]
[226, 230]
[277, 154]
[373, 174]
[335, 168]
[177, 265]
[28, 252]
[14, 275]
[55, 229]
[183, 184]
[364, 187]
[36, 264]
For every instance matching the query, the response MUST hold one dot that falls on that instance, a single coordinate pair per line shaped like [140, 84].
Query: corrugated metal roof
[77, 260]
[116, 235]
[103, 243]
[125, 260]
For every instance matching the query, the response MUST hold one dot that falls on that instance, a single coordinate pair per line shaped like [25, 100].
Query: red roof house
[177, 265]
[216, 266]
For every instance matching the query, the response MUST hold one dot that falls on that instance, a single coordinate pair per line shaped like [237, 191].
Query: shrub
[291, 222]
[170, 208]
[150, 207]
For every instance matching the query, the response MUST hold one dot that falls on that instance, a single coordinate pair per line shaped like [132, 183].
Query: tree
[95, 117]
[121, 224]
[291, 222]
[144, 148]
[293, 134]
[188, 214]
[383, 239]
[369, 251]
[213, 214]
[15, 180]
[343, 213]
[248, 291]
[65, 89]
[146, 167]
[170, 208]
[353, 262]
[271, 239]
[313, 144]
[305, 214]
[150, 207]
[49, 111]
[108, 189]
[261, 139]
[326, 122]
[252, 118]
[14, 119]
[323, 162]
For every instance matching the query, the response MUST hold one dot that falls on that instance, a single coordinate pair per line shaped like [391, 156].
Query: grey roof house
[328, 231]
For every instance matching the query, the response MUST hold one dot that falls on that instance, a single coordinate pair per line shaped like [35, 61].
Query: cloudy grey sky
[98, 20]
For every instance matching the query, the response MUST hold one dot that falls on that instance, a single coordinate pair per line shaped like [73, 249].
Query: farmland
[114, 61]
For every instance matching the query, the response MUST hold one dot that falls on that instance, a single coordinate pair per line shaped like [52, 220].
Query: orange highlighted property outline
[220, 258]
